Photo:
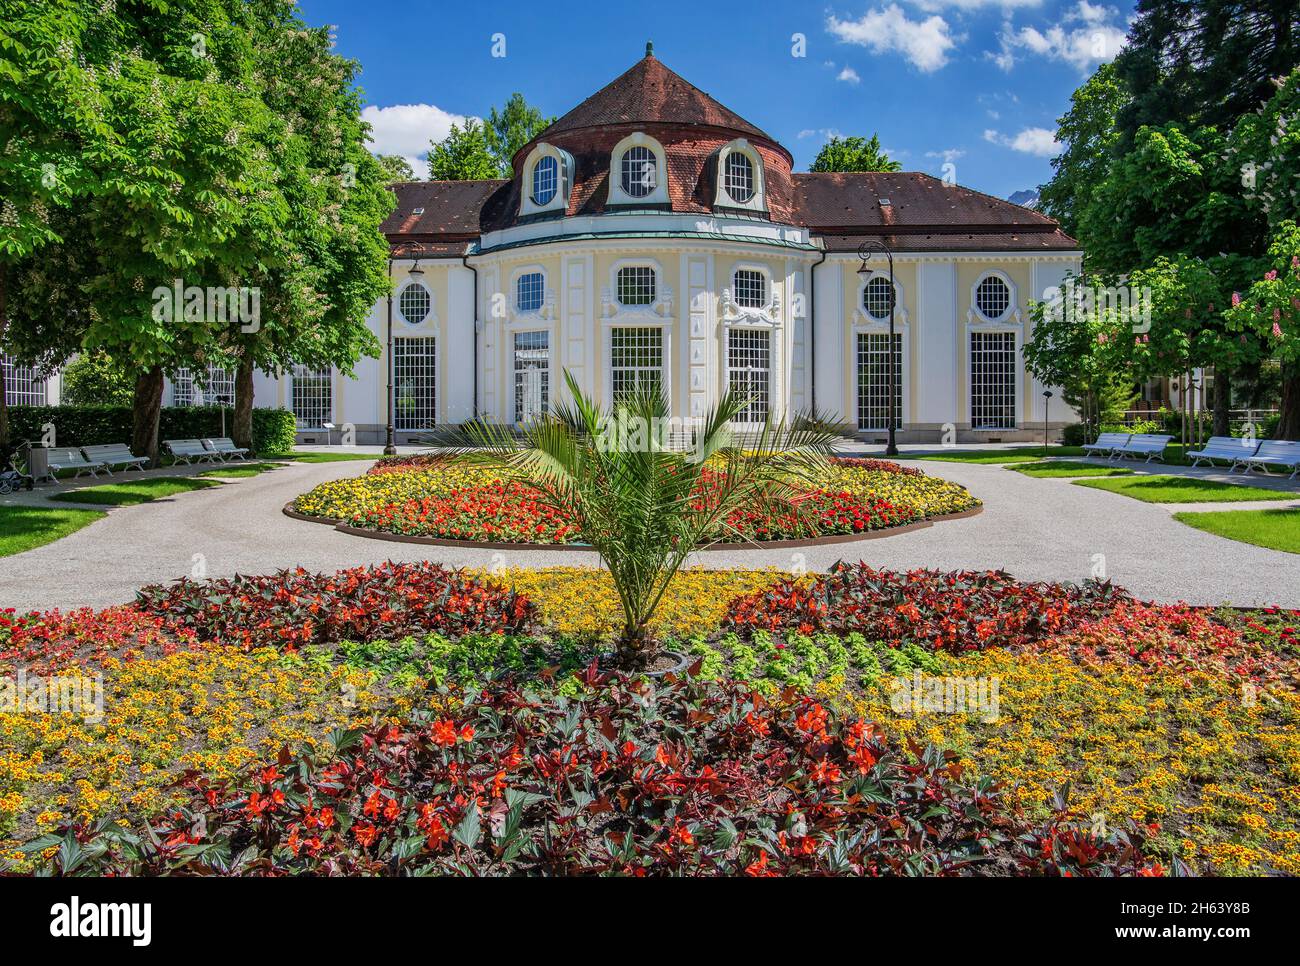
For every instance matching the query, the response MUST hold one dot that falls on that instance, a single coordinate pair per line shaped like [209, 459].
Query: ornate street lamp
[1047, 402]
[865, 252]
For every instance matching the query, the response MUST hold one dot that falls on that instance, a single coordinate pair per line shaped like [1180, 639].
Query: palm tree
[643, 506]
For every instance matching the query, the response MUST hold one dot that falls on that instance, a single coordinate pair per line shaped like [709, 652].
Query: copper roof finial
[649, 48]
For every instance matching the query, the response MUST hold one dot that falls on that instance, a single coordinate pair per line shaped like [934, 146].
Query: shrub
[694, 779]
[1075, 434]
[273, 429]
[958, 611]
[294, 607]
[96, 379]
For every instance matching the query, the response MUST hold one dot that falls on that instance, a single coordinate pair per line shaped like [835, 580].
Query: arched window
[750, 288]
[530, 290]
[992, 297]
[739, 180]
[546, 180]
[636, 285]
[640, 172]
[878, 297]
[414, 303]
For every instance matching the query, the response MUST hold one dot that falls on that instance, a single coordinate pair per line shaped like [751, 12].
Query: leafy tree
[95, 379]
[1204, 62]
[854, 154]
[511, 128]
[638, 503]
[1266, 153]
[465, 154]
[395, 168]
[1088, 134]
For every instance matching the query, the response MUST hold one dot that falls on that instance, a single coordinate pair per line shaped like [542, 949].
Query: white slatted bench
[72, 459]
[1106, 444]
[225, 447]
[1282, 453]
[114, 455]
[1144, 444]
[190, 451]
[1232, 449]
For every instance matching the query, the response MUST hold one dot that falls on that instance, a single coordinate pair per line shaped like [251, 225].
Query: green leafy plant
[640, 504]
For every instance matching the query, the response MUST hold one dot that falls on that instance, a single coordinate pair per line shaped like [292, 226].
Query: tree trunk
[146, 407]
[242, 431]
[1288, 427]
[1222, 402]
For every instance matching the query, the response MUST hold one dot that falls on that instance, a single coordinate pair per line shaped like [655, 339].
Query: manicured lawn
[25, 527]
[1048, 469]
[239, 471]
[1178, 489]
[1025, 455]
[323, 457]
[1275, 529]
[129, 493]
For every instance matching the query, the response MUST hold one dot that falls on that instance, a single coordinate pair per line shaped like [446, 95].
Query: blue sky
[972, 83]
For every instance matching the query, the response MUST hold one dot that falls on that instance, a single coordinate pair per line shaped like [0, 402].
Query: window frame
[430, 344]
[770, 334]
[1012, 310]
[1016, 381]
[553, 163]
[400, 294]
[516, 370]
[298, 372]
[722, 197]
[617, 196]
[12, 379]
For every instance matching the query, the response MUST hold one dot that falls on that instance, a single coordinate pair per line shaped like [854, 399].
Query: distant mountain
[1027, 198]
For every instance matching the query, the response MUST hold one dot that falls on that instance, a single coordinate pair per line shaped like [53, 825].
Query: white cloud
[407, 129]
[932, 5]
[1084, 39]
[924, 43]
[849, 75]
[825, 133]
[1038, 141]
[948, 155]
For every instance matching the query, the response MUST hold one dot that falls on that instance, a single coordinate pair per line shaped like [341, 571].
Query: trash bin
[38, 464]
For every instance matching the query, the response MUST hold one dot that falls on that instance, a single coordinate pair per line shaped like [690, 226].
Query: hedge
[273, 429]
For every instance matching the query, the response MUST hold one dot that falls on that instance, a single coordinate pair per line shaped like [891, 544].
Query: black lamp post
[1047, 401]
[865, 252]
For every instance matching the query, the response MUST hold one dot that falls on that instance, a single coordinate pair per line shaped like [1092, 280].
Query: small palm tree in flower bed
[644, 506]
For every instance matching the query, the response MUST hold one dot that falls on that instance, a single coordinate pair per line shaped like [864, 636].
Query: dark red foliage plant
[684, 778]
[294, 607]
[958, 611]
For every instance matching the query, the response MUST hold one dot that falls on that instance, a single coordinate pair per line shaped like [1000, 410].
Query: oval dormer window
[739, 180]
[546, 180]
[640, 172]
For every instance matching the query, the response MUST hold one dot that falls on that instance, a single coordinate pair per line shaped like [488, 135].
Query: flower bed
[437, 497]
[699, 780]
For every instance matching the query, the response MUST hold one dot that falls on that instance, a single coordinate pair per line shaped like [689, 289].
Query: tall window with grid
[640, 172]
[873, 380]
[636, 360]
[23, 386]
[415, 383]
[740, 177]
[749, 372]
[636, 285]
[530, 291]
[545, 180]
[750, 288]
[993, 380]
[312, 397]
[217, 389]
[532, 375]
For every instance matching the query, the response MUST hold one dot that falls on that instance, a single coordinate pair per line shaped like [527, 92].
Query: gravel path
[1040, 529]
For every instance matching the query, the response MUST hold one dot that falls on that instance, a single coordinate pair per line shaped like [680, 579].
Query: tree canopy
[854, 154]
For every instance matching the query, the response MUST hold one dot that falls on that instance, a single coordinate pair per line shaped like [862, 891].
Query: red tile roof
[451, 208]
[649, 92]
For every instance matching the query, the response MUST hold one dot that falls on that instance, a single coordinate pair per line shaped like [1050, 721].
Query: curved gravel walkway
[1038, 529]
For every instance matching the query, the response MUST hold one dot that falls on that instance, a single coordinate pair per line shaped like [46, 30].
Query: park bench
[114, 455]
[1106, 444]
[68, 458]
[1282, 453]
[1235, 450]
[1144, 444]
[190, 451]
[225, 447]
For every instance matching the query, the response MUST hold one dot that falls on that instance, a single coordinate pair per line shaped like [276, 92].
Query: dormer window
[640, 172]
[739, 177]
[546, 180]
[636, 285]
